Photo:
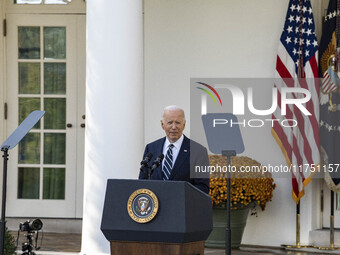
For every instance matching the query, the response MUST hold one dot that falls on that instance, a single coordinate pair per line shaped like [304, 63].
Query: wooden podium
[144, 248]
[177, 219]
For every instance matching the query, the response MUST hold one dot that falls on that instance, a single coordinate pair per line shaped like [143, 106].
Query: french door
[46, 71]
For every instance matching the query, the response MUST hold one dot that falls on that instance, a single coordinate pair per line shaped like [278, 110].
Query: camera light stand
[228, 154]
[10, 143]
[3, 204]
[226, 140]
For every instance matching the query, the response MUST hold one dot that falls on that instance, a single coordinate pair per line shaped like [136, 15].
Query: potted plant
[250, 187]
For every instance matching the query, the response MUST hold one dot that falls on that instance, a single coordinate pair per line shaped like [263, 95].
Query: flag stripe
[286, 133]
[300, 119]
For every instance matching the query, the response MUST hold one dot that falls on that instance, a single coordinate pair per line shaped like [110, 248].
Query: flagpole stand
[298, 242]
[331, 228]
[331, 233]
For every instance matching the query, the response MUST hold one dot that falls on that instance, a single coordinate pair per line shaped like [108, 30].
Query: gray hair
[173, 108]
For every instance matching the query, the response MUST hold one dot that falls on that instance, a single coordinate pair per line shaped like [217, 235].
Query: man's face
[173, 124]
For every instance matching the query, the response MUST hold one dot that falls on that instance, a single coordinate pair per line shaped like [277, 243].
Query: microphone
[146, 160]
[144, 163]
[157, 162]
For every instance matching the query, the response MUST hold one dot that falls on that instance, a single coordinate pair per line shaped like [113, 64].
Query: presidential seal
[142, 205]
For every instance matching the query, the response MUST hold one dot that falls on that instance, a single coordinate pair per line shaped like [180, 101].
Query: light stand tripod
[225, 139]
[27, 247]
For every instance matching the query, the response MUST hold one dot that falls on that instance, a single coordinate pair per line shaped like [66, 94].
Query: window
[42, 1]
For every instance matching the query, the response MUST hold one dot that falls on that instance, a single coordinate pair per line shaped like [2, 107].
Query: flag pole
[298, 244]
[331, 224]
[300, 75]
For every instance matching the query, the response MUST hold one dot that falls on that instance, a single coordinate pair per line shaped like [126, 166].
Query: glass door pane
[54, 43]
[28, 183]
[41, 1]
[29, 42]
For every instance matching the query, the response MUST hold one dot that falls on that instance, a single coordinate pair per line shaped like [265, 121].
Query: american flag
[296, 66]
[328, 84]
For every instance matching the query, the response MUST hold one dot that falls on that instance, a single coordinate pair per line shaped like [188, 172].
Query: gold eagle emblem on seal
[142, 205]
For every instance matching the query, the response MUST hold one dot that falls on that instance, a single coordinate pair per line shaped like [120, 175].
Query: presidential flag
[296, 67]
[330, 97]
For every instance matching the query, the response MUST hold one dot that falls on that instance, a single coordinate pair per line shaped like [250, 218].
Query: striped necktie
[167, 167]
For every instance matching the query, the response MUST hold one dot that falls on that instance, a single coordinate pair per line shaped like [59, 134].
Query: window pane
[54, 183]
[27, 1]
[54, 152]
[26, 106]
[55, 78]
[57, 1]
[29, 42]
[55, 117]
[40, 1]
[29, 78]
[28, 183]
[55, 42]
[29, 149]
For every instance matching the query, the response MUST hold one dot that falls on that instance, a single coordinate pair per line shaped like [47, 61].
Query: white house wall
[223, 38]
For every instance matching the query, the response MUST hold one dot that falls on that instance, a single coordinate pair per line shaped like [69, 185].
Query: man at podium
[181, 154]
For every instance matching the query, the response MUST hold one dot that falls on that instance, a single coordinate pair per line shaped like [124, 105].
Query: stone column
[114, 133]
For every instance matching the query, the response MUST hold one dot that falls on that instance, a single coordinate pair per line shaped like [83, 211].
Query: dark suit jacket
[183, 164]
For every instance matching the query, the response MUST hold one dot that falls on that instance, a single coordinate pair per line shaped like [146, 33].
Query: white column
[114, 107]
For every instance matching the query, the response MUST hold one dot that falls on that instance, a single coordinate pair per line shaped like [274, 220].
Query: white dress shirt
[175, 149]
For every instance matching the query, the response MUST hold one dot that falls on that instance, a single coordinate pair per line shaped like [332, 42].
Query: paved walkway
[69, 244]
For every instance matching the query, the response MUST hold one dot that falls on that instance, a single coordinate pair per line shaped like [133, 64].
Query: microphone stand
[151, 171]
[155, 164]
[152, 168]
[148, 172]
[142, 170]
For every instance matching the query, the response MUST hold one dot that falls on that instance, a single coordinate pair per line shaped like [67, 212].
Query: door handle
[69, 125]
[82, 125]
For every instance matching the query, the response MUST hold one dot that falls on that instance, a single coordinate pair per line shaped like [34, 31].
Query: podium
[156, 217]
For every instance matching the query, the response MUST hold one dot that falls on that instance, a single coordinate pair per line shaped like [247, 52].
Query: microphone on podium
[146, 160]
[144, 163]
[156, 164]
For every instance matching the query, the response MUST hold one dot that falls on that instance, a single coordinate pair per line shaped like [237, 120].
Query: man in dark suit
[181, 155]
